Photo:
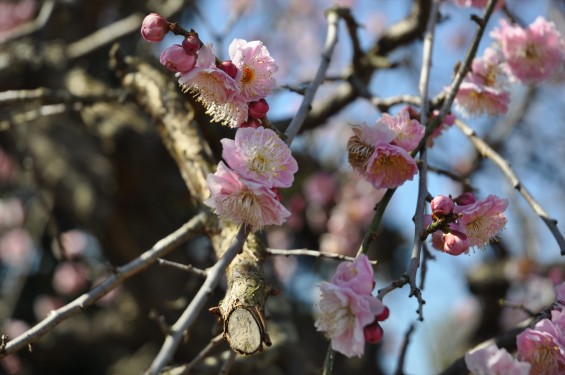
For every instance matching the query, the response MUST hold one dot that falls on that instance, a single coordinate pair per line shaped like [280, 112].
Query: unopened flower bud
[465, 199]
[251, 122]
[384, 315]
[154, 27]
[229, 67]
[455, 243]
[191, 45]
[176, 60]
[259, 108]
[442, 205]
[373, 333]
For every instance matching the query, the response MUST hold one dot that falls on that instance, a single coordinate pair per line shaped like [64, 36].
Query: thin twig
[189, 315]
[404, 350]
[423, 167]
[161, 248]
[465, 181]
[311, 253]
[461, 73]
[484, 149]
[331, 40]
[184, 267]
[228, 363]
[203, 353]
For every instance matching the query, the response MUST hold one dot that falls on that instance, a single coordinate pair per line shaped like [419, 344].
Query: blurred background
[86, 187]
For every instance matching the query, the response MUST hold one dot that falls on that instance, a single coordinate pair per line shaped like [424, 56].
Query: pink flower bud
[442, 205]
[251, 122]
[176, 60]
[229, 67]
[465, 199]
[384, 315]
[154, 27]
[259, 108]
[455, 243]
[191, 45]
[373, 333]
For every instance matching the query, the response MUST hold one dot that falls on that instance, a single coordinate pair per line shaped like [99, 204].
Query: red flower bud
[191, 45]
[384, 315]
[373, 333]
[259, 108]
[442, 205]
[229, 68]
[154, 27]
[465, 199]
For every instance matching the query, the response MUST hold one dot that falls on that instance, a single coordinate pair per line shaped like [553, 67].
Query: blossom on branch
[348, 312]
[491, 360]
[242, 201]
[470, 223]
[541, 347]
[483, 220]
[215, 89]
[372, 153]
[260, 155]
[484, 89]
[531, 54]
[408, 131]
[255, 68]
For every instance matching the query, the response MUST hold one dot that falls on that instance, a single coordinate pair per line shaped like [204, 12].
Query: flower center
[247, 75]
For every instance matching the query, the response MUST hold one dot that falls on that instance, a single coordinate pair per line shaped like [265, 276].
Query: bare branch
[188, 317]
[404, 350]
[484, 149]
[184, 267]
[311, 253]
[331, 40]
[161, 248]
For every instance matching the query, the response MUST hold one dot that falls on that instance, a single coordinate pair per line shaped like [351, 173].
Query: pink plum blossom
[176, 60]
[215, 89]
[490, 360]
[389, 166]
[448, 121]
[356, 275]
[532, 54]
[408, 132]
[343, 315]
[482, 220]
[260, 155]
[541, 348]
[243, 201]
[154, 27]
[255, 68]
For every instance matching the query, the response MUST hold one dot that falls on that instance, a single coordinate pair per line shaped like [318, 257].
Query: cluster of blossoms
[456, 224]
[541, 349]
[381, 153]
[519, 55]
[245, 191]
[233, 91]
[348, 313]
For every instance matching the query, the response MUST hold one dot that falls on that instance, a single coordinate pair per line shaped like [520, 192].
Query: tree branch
[164, 246]
[486, 151]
